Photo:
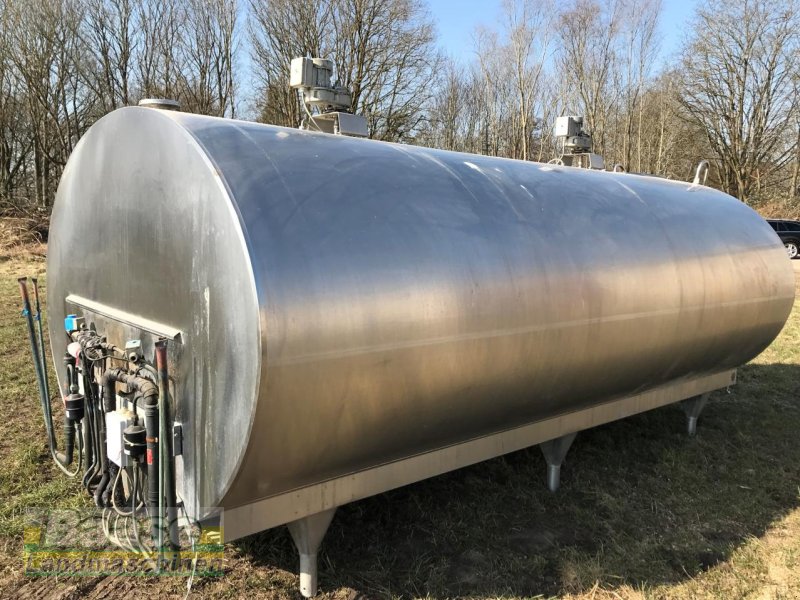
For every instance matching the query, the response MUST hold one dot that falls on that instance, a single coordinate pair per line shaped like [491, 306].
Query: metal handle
[701, 175]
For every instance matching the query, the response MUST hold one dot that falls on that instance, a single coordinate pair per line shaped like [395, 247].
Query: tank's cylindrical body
[347, 303]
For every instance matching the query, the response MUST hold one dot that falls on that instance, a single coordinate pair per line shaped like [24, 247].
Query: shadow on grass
[640, 503]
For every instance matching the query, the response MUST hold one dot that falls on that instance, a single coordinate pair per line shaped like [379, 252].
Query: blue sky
[456, 21]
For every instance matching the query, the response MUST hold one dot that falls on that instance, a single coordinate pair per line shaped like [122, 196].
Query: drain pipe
[73, 403]
[38, 319]
[37, 363]
[166, 463]
[43, 357]
[154, 497]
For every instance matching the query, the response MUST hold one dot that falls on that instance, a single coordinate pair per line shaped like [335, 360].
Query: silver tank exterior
[346, 303]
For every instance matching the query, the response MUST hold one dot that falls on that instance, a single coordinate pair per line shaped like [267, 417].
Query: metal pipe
[166, 462]
[701, 175]
[37, 365]
[154, 502]
[42, 353]
[61, 460]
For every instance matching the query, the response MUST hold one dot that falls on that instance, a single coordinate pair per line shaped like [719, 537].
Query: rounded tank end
[161, 103]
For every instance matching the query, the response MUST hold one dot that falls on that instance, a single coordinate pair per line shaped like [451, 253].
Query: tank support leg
[554, 452]
[307, 534]
[693, 407]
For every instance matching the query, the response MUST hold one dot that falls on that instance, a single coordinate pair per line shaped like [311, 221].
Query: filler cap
[162, 103]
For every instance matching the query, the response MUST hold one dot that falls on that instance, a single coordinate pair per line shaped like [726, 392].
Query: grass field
[643, 511]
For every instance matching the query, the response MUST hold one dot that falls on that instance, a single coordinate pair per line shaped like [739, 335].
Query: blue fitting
[71, 323]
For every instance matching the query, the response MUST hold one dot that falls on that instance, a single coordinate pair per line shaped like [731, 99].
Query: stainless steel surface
[387, 301]
[316, 498]
[555, 451]
[693, 407]
[120, 316]
[307, 534]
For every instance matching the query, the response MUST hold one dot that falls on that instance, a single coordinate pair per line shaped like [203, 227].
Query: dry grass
[643, 512]
[779, 210]
[22, 239]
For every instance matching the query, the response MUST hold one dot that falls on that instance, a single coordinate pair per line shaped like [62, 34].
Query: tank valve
[133, 348]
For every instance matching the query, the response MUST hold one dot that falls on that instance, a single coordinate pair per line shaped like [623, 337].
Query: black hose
[108, 405]
[98, 491]
[92, 472]
[92, 452]
[104, 464]
[69, 442]
[65, 458]
[113, 494]
[99, 448]
[99, 419]
[90, 446]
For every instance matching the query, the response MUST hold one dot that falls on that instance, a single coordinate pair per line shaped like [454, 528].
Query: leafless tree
[528, 24]
[587, 59]
[110, 32]
[454, 118]
[384, 53]
[48, 61]
[733, 96]
[738, 87]
[279, 31]
[158, 65]
[640, 45]
[16, 141]
[497, 93]
[209, 51]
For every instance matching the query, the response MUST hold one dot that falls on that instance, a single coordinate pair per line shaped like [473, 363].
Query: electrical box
[301, 73]
[310, 72]
[342, 123]
[116, 422]
[568, 126]
[73, 323]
